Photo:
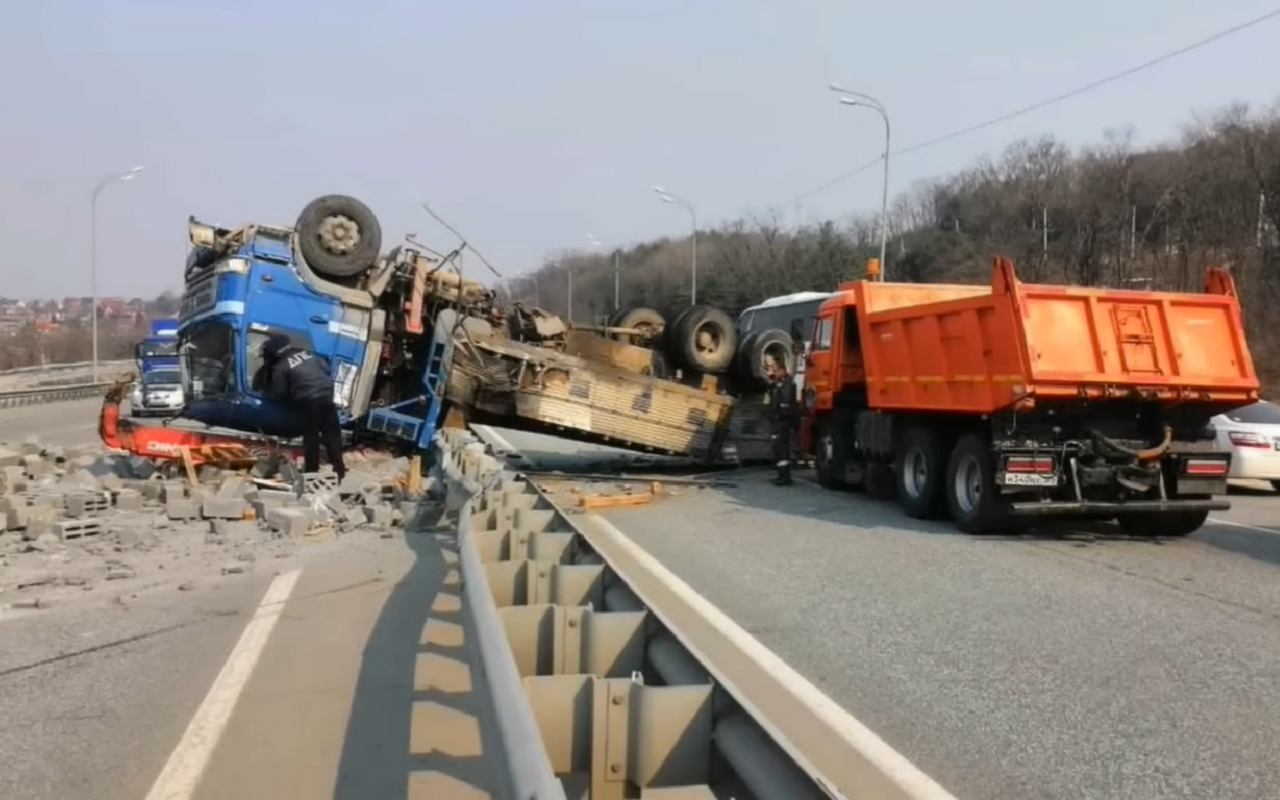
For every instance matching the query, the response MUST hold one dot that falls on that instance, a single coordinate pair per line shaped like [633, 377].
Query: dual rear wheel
[936, 478]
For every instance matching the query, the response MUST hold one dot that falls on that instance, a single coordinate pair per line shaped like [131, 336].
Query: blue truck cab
[324, 285]
[159, 350]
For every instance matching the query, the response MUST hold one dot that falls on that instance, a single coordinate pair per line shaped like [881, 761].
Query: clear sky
[529, 123]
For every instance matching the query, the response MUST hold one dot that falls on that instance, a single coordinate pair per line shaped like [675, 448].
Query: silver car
[1252, 434]
[157, 393]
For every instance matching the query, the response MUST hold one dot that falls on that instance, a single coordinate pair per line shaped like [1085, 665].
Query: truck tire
[972, 497]
[921, 472]
[830, 455]
[703, 339]
[339, 236]
[644, 319]
[761, 349]
[1163, 523]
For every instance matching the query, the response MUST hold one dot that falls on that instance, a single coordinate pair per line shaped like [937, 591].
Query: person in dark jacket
[297, 377]
[782, 415]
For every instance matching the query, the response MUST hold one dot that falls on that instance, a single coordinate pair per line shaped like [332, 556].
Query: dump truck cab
[991, 403]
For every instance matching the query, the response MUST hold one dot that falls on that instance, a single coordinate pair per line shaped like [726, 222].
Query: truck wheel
[972, 497]
[921, 474]
[647, 320]
[762, 349]
[1163, 523]
[704, 339]
[339, 236]
[829, 456]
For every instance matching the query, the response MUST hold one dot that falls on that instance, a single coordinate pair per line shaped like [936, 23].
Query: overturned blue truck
[412, 343]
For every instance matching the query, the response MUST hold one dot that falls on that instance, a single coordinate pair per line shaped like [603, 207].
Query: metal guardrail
[54, 394]
[64, 366]
[609, 674]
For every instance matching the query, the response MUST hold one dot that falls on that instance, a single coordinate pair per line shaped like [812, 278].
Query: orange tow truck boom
[989, 403]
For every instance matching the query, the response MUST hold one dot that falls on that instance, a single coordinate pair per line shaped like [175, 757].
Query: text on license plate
[1030, 479]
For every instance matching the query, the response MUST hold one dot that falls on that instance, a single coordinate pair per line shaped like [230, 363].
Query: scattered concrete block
[379, 514]
[82, 479]
[181, 508]
[356, 483]
[314, 482]
[233, 486]
[84, 504]
[224, 508]
[151, 491]
[72, 529]
[289, 521]
[129, 500]
[112, 482]
[14, 478]
[172, 490]
[11, 458]
[36, 466]
[32, 446]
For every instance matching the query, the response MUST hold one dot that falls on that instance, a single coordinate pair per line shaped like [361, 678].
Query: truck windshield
[209, 359]
[156, 348]
[160, 377]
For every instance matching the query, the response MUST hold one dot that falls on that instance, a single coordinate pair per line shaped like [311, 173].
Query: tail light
[1205, 467]
[1246, 439]
[1026, 464]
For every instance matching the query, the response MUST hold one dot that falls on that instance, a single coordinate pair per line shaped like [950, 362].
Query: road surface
[1072, 664]
[337, 670]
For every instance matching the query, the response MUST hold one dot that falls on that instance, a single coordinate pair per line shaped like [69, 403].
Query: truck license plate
[1030, 479]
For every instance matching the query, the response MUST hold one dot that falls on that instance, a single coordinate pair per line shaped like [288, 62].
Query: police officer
[297, 377]
[782, 407]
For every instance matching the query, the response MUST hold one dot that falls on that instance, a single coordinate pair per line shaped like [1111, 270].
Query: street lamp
[93, 251]
[667, 197]
[616, 270]
[852, 98]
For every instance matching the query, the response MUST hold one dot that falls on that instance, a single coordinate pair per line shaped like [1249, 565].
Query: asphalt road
[1072, 663]
[359, 687]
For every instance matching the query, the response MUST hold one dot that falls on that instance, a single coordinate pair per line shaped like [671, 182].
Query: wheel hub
[339, 234]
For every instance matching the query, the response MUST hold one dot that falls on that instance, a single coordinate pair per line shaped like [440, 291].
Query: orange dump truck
[990, 403]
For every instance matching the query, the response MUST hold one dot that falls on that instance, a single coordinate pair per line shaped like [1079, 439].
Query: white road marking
[1218, 521]
[181, 774]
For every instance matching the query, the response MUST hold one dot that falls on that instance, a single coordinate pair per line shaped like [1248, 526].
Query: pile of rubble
[68, 517]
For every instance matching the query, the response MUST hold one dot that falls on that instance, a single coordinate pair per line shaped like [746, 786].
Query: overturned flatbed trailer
[592, 389]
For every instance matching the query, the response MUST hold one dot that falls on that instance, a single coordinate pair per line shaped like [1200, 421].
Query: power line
[1043, 103]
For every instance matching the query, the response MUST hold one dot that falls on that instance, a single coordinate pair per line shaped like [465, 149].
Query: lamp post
[617, 271]
[667, 197]
[852, 98]
[93, 251]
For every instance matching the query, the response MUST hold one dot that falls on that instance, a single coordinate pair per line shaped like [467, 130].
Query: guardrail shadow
[420, 723]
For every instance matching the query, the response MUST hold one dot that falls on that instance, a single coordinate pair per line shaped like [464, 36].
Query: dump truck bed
[940, 349]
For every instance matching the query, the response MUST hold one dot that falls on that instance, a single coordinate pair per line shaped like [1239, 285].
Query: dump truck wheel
[339, 236]
[972, 497]
[1163, 523]
[643, 319]
[829, 458]
[761, 350]
[921, 471]
[704, 339]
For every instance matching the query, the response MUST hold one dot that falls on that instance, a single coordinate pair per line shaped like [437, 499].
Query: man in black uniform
[782, 412]
[300, 379]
